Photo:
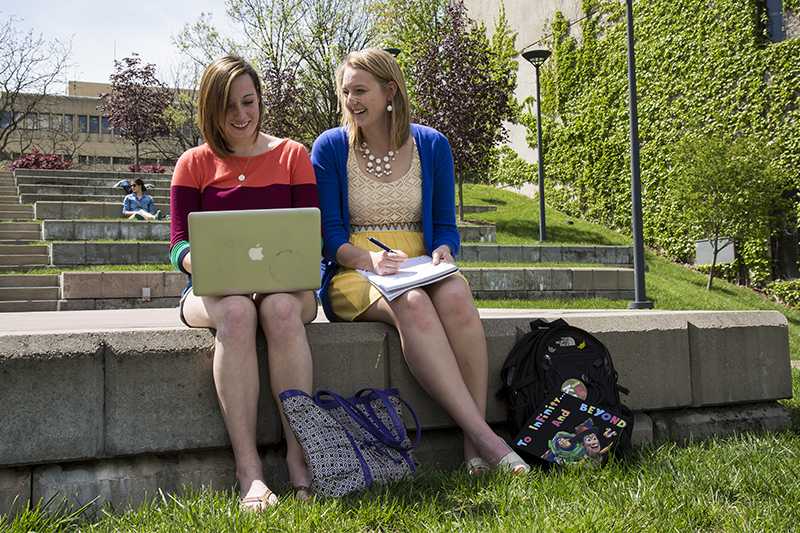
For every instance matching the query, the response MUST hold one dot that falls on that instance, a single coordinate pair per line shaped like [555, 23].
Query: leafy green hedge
[701, 67]
[786, 292]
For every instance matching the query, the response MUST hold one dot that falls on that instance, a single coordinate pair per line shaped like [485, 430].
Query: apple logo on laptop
[256, 253]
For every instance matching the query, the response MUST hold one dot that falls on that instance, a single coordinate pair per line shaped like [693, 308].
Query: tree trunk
[460, 197]
[713, 263]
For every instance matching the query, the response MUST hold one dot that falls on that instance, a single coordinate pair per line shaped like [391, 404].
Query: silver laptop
[255, 251]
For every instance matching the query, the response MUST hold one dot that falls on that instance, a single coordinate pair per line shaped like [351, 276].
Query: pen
[379, 244]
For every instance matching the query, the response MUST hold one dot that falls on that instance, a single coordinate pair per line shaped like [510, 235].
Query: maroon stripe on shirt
[184, 200]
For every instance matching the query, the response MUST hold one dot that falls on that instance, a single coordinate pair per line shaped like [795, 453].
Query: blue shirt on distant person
[133, 204]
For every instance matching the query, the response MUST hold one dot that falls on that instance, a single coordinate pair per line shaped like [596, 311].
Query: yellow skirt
[350, 293]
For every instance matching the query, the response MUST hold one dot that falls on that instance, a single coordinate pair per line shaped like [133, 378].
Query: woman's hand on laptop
[387, 263]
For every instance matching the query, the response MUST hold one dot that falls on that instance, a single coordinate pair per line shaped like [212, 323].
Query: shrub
[147, 169]
[785, 292]
[510, 169]
[37, 159]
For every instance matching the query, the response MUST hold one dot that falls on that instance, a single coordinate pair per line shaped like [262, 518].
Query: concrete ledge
[108, 253]
[89, 230]
[91, 285]
[110, 174]
[688, 425]
[477, 232]
[610, 255]
[79, 210]
[162, 181]
[15, 490]
[107, 197]
[117, 383]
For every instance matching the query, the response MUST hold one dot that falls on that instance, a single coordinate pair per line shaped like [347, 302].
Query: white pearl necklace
[376, 165]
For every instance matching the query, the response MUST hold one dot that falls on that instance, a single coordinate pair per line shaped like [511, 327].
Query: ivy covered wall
[701, 66]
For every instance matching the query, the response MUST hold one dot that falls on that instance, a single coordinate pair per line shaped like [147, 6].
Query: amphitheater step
[9, 199]
[24, 249]
[7, 190]
[16, 235]
[15, 215]
[21, 306]
[24, 260]
[17, 208]
[29, 280]
[162, 182]
[9, 294]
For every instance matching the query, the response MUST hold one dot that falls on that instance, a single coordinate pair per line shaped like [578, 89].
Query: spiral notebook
[414, 272]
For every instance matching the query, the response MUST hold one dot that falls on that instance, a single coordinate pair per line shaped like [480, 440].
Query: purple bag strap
[327, 399]
[400, 429]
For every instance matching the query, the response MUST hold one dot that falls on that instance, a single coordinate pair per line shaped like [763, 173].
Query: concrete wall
[121, 414]
[529, 19]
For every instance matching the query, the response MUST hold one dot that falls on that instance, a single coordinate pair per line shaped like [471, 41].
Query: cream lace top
[377, 205]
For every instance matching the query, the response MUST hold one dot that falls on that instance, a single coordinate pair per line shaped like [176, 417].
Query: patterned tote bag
[351, 443]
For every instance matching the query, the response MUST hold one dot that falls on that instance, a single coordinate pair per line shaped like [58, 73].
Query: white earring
[389, 108]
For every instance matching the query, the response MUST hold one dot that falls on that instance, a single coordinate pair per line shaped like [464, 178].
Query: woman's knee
[281, 313]
[455, 300]
[235, 317]
[415, 309]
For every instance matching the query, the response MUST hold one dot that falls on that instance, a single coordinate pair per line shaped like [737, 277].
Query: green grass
[498, 264]
[145, 267]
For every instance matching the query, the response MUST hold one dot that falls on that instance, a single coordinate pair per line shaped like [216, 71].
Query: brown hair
[384, 67]
[215, 86]
[140, 183]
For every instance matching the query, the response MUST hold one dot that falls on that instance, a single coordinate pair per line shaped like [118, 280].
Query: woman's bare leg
[283, 318]
[235, 378]
[431, 359]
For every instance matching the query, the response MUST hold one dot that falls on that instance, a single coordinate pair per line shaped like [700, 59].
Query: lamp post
[537, 59]
[640, 299]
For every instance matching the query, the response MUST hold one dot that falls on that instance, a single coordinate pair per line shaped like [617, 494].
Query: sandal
[513, 463]
[258, 504]
[477, 467]
[302, 493]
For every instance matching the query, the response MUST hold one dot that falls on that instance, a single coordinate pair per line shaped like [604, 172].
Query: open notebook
[414, 272]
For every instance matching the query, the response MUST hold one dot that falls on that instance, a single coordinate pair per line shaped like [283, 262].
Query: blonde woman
[240, 167]
[381, 176]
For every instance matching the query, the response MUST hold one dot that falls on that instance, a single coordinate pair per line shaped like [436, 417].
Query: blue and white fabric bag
[352, 443]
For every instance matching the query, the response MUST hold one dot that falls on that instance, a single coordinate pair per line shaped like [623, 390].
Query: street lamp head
[394, 51]
[536, 57]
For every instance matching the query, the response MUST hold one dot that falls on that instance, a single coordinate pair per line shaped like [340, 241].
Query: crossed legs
[445, 348]
[235, 370]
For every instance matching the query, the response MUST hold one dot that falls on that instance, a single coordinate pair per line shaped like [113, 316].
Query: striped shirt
[279, 178]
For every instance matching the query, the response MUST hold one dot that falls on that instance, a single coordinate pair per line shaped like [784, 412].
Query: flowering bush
[37, 159]
[147, 169]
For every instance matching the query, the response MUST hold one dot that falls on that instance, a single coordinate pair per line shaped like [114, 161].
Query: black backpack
[555, 355]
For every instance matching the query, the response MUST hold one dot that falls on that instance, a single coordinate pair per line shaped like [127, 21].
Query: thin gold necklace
[243, 173]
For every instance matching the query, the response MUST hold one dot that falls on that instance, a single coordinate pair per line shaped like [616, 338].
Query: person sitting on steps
[138, 205]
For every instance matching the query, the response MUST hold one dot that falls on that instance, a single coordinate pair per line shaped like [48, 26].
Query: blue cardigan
[329, 157]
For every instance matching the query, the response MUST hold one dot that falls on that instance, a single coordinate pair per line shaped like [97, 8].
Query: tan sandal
[513, 463]
[258, 504]
[477, 467]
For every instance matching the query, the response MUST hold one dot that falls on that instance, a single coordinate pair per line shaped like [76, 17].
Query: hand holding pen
[388, 261]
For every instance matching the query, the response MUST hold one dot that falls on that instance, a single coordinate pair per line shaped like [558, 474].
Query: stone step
[16, 235]
[81, 210]
[6, 190]
[536, 253]
[21, 306]
[110, 198]
[15, 242]
[478, 209]
[27, 259]
[471, 232]
[24, 249]
[30, 280]
[6, 199]
[8, 294]
[105, 174]
[15, 215]
[72, 190]
[20, 226]
[17, 208]
[106, 183]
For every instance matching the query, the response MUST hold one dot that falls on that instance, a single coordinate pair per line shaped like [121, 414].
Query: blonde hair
[385, 69]
[215, 87]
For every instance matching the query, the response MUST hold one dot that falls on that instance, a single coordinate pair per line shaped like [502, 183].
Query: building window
[105, 126]
[31, 121]
[83, 124]
[44, 121]
[5, 119]
[69, 123]
[94, 124]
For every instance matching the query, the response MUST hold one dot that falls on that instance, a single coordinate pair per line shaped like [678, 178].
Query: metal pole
[640, 299]
[542, 228]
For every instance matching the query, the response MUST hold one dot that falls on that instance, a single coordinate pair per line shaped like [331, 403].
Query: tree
[728, 189]
[296, 46]
[137, 102]
[460, 90]
[181, 114]
[30, 67]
